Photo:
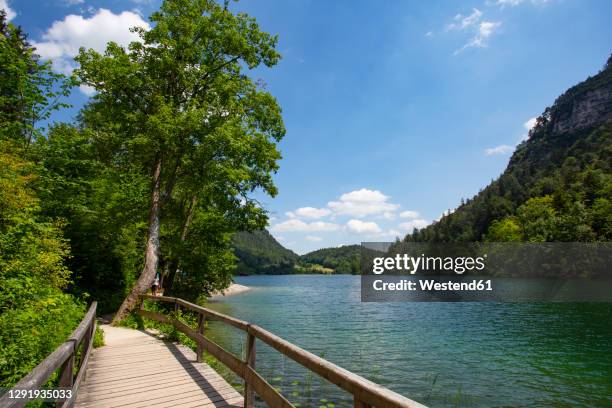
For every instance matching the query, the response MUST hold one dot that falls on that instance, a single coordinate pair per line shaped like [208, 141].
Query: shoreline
[233, 289]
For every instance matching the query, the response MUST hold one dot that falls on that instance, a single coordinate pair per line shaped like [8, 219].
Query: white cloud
[10, 13]
[501, 149]
[409, 214]
[74, 2]
[363, 227]
[530, 124]
[389, 215]
[462, 22]
[429, 34]
[309, 212]
[313, 238]
[485, 30]
[62, 40]
[412, 224]
[87, 90]
[360, 203]
[301, 226]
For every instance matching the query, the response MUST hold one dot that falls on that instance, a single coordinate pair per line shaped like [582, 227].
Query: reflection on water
[440, 354]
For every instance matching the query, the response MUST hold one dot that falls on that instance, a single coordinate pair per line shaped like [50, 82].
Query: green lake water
[439, 354]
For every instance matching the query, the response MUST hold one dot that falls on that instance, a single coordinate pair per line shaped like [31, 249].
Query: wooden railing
[62, 358]
[366, 394]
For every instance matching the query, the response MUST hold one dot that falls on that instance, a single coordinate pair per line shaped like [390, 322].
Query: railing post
[249, 393]
[360, 404]
[201, 326]
[88, 343]
[66, 375]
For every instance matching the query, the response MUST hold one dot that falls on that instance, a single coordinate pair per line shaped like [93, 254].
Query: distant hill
[558, 183]
[344, 259]
[259, 253]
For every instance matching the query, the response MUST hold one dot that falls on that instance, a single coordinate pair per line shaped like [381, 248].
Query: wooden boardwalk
[135, 369]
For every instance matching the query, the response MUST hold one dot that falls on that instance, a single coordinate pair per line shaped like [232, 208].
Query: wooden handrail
[63, 357]
[366, 394]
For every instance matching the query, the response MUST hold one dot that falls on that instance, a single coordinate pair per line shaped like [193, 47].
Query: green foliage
[104, 208]
[29, 90]
[35, 315]
[506, 230]
[98, 340]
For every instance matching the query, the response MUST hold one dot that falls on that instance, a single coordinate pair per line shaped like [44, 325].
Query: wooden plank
[194, 402]
[136, 387]
[176, 372]
[157, 374]
[135, 399]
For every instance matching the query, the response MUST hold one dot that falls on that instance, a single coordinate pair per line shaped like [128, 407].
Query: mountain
[558, 183]
[259, 253]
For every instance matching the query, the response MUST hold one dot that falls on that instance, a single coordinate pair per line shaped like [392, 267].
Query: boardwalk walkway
[135, 369]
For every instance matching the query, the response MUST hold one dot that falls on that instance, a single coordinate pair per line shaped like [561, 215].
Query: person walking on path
[155, 285]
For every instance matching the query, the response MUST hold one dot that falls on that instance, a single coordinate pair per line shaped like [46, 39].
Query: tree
[180, 106]
[35, 314]
[537, 217]
[29, 89]
[506, 230]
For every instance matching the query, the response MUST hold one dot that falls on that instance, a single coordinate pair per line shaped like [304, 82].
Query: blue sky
[394, 110]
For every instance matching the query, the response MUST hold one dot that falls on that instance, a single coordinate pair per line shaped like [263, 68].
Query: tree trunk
[174, 268]
[145, 280]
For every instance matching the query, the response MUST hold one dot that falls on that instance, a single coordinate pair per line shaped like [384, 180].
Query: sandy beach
[233, 289]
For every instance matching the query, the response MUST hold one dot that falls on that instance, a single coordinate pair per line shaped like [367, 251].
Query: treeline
[153, 177]
[344, 259]
[558, 183]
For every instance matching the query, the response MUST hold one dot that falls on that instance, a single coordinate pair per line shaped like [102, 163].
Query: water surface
[440, 354]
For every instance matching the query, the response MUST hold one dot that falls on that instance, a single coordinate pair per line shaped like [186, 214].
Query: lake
[439, 354]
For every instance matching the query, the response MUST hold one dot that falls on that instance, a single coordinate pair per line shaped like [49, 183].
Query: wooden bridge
[136, 369]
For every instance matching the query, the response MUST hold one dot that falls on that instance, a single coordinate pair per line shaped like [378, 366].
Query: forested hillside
[343, 259]
[558, 183]
[259, 253]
